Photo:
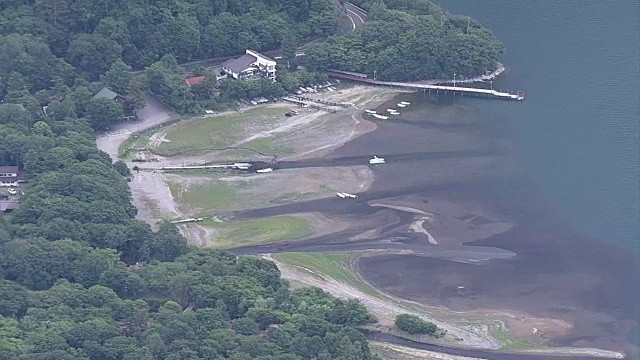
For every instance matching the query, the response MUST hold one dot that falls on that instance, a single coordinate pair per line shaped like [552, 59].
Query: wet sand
[557, 273]
[497, 235]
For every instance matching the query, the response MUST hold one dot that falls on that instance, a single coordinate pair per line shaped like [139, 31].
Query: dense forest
[80, 277]
[410, 40]
[53, 50]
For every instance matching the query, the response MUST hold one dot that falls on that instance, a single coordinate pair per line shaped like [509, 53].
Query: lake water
[577, 131]
[576, 135]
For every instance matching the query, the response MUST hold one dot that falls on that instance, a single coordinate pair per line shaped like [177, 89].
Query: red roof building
[194, 80]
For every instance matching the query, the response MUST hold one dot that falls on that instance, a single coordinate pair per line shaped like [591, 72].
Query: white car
[12, 191]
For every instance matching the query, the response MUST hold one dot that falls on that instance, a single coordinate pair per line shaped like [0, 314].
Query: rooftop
[240, 64]
[106, 93]
[261, 55]
[194, 80]
[8, 169]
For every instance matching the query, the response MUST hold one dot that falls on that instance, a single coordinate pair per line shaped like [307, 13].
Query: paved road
[476, 354]
[356, 15]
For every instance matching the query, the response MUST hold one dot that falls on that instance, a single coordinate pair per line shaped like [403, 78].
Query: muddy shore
[480, 223]
[443, 161]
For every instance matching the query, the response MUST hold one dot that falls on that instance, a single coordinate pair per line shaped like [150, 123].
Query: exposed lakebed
[497, 237]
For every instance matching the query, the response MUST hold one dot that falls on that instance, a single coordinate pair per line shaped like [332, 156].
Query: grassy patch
[508, 341]
[333, 265]
[209, 196]
[218, 131]
[251, 232]
[137, 141]
[291, 197]
[268, 146]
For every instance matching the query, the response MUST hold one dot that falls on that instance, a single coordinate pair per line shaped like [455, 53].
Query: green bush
[414, 325]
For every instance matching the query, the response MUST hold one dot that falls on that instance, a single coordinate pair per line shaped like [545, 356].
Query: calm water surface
[576, 134]
[577, 131]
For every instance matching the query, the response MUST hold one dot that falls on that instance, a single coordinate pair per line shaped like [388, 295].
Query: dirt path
[152, 114]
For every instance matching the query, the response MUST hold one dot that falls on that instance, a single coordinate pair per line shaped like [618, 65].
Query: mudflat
[462, 172]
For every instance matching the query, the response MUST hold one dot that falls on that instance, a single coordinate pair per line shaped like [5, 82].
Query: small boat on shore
[345, 195]
[392, 110]
[405, 103]
[402, 105]
[382, 117]
[370, 111]
[376, 160]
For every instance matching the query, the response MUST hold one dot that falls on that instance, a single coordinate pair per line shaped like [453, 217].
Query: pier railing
[437, 89]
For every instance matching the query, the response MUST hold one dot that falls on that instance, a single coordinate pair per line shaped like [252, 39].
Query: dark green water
[577, 131]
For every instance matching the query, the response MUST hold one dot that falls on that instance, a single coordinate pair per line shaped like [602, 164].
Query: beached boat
[370, 111]
[392, 110]
[376, 160]
[382, 117]
[405, 103]
[402, 105]
[264, 170]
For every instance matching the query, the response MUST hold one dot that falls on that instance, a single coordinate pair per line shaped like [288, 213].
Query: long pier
[435, 89]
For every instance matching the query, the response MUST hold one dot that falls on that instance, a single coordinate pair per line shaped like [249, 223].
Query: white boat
[242, 166]
[376, 160]
[341, 195]
[402, 105]
[370, 111]
[345, 195]
[405, 103]
[380, 116]
[394, 113]
[267, 170]
[392, 110]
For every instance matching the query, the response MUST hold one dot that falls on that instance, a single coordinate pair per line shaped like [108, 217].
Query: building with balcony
[251, 65]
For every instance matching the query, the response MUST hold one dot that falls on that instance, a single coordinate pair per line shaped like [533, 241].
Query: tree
[122, 168]
[414, 325]
[135, 93]
[103, 113]
[167, 244]
[246, 326]
[93, 54]
[290, 42]
[42, 128]
[119, 77]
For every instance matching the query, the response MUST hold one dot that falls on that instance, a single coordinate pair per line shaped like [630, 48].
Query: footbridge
[435, 89]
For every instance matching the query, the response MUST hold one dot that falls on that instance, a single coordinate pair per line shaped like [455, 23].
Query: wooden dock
[431, 89]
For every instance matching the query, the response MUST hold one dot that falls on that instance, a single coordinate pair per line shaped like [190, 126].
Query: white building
[8, 176]
[249, 65]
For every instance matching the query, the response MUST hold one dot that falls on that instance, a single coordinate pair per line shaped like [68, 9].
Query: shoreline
[319, 153]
